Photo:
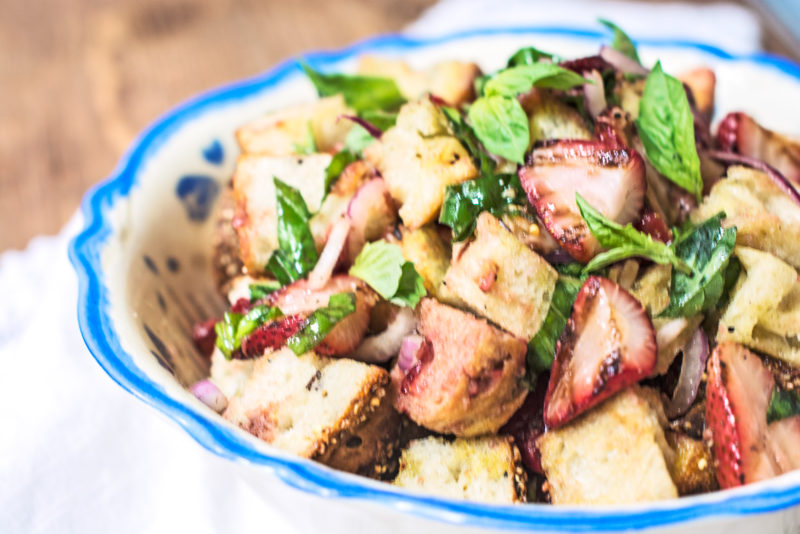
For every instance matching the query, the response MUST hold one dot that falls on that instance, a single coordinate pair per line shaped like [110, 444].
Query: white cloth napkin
[78, 454]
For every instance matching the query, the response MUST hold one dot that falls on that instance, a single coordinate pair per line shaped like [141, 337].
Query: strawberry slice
[653, 225]
[608, 344]
[270, 336]
[611, 179]
[737, 397]
[739, 133]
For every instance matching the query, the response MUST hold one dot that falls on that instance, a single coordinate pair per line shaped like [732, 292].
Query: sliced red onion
[371, 129]
[695, 354]
[410, 350]
[586, 64]
[558, 256]
[777, 178]
[372, 213]
[210, 395]
[621, 62]
[594, 93]
[323, 270]
[384, 346]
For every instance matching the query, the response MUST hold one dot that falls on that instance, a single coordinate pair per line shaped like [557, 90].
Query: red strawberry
[653, 225]
[739, 133]
[242, 306]
[527, 424]
[737, 397]
[608, 344]
[269, 336]
[611, 179]
[204, 336]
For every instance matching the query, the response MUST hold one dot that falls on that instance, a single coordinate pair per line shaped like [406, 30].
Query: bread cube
[499, 278]
[485, 469]
[764, 309]
[551, 118]
[418, 158]
[431, 257]
[702, 82]
[336, 411]
[613, 454]
[281, 132]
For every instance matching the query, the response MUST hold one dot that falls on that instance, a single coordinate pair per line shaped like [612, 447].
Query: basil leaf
[320, 323]
[542, 348]
[261, 289]
[621, 41]
[666, 128]
[497, 194]
[500, 123]
[623, 241]
[358, 138]
[707, 250]
[234, 327]
[466, 136]
[515, 80]
[340, 160]
[382, 266]
[783, 404]
[297, 253]
[309, 144]
[528, 56]
[361, 93]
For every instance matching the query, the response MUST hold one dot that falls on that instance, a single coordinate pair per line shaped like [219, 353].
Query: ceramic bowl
[143, 265]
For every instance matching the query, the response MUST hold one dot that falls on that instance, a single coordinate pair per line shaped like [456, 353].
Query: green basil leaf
[515, 80]
[339, 161]
[623, 241]
[382, 266]
[226, 333]
[309, 144]
[358, 138]
[542, 348]
[464, 202]
[707, 250]
[466, 136]
[501, 125]
[621, 41]
[666, 128]
[361, 93]
[297, 253]
[783, 404]
[320, 323]
[234, 327]
[261, 289]
[528, 56]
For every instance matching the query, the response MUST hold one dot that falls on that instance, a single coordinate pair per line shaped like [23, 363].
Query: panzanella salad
[548, 283]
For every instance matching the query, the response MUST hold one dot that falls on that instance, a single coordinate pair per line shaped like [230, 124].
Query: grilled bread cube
[254, 193]
[764, 308]
[614, 454]
[336, 411]
[470, 383]
[418, 158]
[500, 278]
[765, 217]
[486, 469]
[280, 133]
[229, 376]
[551, 118]
[452, 81]
[702, 82]
[431, 257]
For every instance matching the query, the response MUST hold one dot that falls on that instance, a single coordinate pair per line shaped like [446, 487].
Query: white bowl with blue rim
[143, 256]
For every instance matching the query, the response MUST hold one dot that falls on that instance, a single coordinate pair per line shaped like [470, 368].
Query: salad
[554, 282]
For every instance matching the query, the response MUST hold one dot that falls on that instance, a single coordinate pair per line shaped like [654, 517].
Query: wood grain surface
[79, 79]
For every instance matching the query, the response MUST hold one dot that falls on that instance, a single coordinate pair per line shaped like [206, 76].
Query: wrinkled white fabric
[79, 454]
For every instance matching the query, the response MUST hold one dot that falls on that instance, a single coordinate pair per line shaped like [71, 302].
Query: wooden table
[79, 78]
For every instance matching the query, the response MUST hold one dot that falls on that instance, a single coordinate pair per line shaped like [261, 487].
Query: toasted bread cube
[613, 454]
[500, 278]
[453, 81]
[702, 82]
[254, 194]
[431, 257]
[551, 118]
[471, 380]
[336, 411]
[485, 469]
[281, 132]
[764, 309]
[418, 158]
[765, 217]
[229, 376]
[693, 467]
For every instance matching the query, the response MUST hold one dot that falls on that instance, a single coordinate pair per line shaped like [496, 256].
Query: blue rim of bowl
[98, 331]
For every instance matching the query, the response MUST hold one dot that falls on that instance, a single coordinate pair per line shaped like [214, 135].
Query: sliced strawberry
[372, 212]
[527, 424]
[737, 397]
[298, 298]
[204, 336]
[610, 179]
[609, 344]
[270, 336]
[613, 128]
[739, 133]
[653, 225]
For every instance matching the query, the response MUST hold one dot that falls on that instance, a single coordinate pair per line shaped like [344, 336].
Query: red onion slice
[695, 354]
[594, 94]
[410, 350]
[621, 62]
[326, 263]
[210, 395]
[384, 346]
[737, 159]
[371, 129]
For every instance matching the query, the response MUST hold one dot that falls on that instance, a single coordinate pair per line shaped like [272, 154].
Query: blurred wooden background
[79, 79]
